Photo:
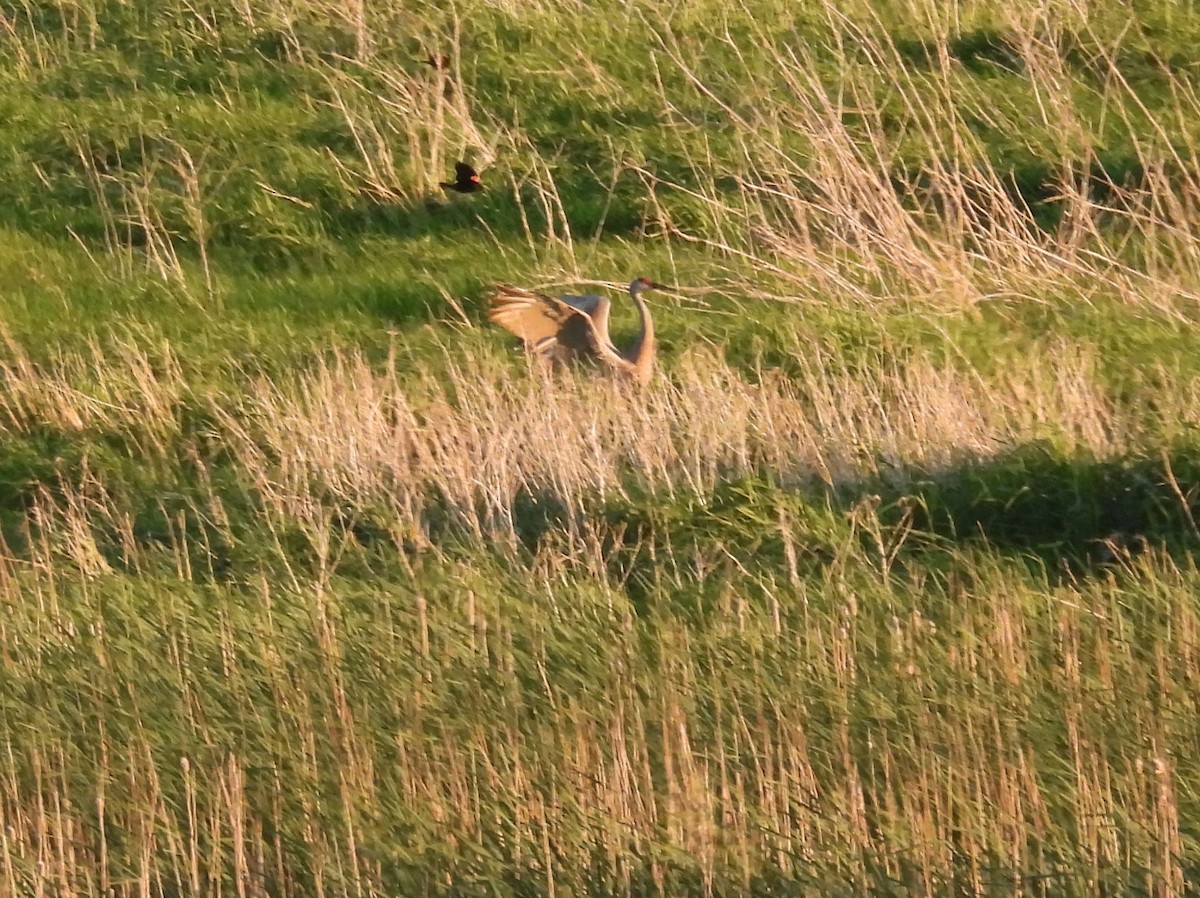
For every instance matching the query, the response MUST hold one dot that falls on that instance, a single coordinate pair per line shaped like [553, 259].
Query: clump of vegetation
[886, 584]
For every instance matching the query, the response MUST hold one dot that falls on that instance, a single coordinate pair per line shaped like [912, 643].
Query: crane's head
[644, 284]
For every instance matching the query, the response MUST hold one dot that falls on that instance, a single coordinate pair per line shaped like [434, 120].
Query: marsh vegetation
[886, 584]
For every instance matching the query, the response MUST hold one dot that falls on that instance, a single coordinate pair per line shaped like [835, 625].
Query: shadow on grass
[1067, 514]
[982, 51]
[1072, 512]
[27, 463]
[1035, 499]
[472, 219]
[1114, 178]
[1146, 58]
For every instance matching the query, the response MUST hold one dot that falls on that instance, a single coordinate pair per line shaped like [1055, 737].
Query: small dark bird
[437, 61]
[466, 180]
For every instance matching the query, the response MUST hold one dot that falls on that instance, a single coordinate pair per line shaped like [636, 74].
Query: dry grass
[482, 438]
[477, 436]
[509, 721]
[830, 199]
[129, 389]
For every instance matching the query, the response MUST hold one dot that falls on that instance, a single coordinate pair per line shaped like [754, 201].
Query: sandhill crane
[564, 328]
[466, 179]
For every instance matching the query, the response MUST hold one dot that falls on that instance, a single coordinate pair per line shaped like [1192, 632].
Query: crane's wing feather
[585, 304]
[553, 327]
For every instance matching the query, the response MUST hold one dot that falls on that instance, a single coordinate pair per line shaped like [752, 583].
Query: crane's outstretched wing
[597, 308]
[555, 328]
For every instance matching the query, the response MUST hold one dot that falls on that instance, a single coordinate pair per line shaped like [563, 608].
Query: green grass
[886, 585]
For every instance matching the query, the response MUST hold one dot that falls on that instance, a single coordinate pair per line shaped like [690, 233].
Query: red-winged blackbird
[435, 61]
[466, 180]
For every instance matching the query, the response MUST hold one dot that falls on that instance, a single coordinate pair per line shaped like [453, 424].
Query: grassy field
[886, 585]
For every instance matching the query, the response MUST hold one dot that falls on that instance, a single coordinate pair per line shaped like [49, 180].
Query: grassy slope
[310, 588]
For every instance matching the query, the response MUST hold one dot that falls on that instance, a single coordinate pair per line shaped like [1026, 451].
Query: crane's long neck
[645, 339]
[641, 353]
